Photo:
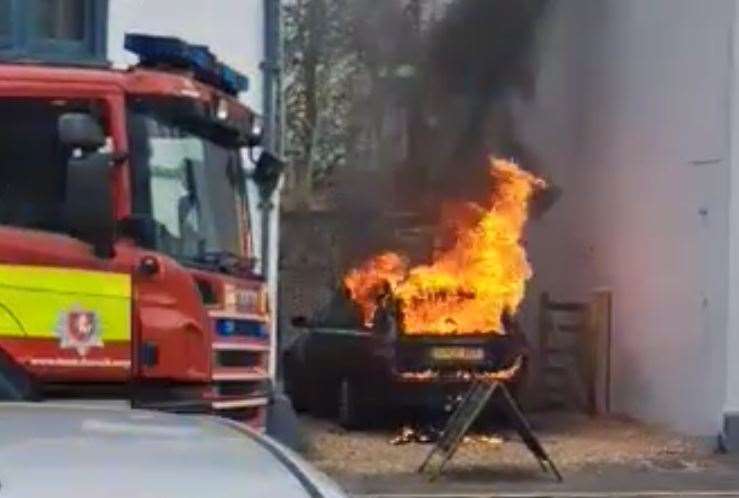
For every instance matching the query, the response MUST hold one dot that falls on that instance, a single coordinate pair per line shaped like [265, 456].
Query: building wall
[308, 267]
[632, 107]
[731, 406]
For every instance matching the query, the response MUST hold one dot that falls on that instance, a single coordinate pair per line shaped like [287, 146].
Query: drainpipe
[271, 67]
[272, 76]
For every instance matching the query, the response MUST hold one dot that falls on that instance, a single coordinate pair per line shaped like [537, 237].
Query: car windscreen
[189, 184]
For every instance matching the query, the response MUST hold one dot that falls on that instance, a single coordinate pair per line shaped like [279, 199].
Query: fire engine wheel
[350, 412]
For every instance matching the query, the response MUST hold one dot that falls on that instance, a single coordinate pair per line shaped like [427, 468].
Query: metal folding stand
[473, 402]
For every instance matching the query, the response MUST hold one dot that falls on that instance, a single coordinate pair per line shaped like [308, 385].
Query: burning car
[403, 336]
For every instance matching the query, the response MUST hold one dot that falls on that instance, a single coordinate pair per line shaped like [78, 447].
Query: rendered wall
[731, 407]
[632, 116]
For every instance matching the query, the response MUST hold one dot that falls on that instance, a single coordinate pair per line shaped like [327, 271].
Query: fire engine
[126, 264]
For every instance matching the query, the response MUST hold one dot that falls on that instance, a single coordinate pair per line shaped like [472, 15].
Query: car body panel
[71, 450]
[391, 371]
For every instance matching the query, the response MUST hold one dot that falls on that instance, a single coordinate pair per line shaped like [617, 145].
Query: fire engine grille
[237, 358]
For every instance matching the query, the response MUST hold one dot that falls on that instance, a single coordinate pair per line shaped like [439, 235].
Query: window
[55, 30]
[190, 186]
[60, 20]
[5, 25]
[33, 162]
[4, 20]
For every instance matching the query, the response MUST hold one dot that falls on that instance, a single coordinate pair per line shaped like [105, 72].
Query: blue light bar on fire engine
[158, 51]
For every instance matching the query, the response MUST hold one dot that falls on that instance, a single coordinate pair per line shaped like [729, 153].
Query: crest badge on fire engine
[80, 330]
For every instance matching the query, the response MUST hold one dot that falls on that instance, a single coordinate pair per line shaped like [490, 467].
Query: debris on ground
[409, 434]
[574, 441]
[483, 439]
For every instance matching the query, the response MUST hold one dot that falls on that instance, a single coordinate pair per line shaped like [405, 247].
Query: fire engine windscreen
[33, 161]
[189, 184]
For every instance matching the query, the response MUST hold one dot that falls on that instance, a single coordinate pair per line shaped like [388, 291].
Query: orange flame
[368, 282]
[468, 287]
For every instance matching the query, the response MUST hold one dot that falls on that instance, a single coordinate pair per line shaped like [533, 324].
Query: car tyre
[320, 397]
[351, 412]
[298, 397]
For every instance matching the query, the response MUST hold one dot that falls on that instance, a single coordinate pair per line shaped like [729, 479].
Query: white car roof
[65, 450]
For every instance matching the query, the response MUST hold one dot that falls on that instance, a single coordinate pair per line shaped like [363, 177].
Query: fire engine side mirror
[88, 207]
[81, 131]
[267, 173]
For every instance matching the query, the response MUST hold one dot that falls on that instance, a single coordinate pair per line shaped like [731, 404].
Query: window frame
[6, 42]
[24, 43]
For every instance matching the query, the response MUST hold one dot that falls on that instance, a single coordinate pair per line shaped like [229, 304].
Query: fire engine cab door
[66, 324]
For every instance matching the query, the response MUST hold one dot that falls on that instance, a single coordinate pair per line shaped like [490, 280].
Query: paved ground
[601, 482]
[598, 457]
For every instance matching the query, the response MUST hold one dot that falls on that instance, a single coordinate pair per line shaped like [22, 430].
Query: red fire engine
[125, 251]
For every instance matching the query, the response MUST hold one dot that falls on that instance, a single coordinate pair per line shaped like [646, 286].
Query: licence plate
[457, 354]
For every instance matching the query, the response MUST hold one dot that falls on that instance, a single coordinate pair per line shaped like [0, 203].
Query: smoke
[479, 54]
[428, 107]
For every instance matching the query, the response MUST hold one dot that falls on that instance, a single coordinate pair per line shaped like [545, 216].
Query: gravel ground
[574, 442]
